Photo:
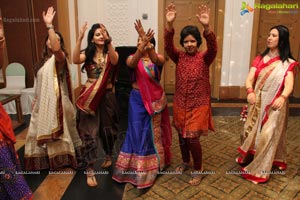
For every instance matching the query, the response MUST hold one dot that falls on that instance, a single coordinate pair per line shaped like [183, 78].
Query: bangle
[49, 26]
[249, 90]
[108, 41]
[284, 97]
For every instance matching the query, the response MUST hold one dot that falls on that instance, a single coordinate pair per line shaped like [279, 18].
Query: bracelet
[108, 41]
[284, 97]
[249, 90]
[49, 26]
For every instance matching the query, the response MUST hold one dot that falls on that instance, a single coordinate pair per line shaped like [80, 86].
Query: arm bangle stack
[250, 90]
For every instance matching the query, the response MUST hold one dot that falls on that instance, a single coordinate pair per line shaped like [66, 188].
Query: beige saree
[265, 128]
[52, 135]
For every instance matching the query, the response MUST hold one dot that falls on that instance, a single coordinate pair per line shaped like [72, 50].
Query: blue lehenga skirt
[142, 154]
[12, 183]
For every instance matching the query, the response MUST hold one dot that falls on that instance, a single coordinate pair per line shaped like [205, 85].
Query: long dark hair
[47, 53]
[190, 30]
[91, 47]
[283, 43]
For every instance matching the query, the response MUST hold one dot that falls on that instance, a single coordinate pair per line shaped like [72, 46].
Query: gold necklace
[101, 60]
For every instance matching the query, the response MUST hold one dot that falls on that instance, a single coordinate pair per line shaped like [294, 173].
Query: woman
[97, 105]
[269, 84]
[146, 149]
[12, 184]
[52, 136]
[192, 110]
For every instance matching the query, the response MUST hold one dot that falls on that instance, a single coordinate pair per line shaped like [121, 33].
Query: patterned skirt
[12, 184]
[142, 154]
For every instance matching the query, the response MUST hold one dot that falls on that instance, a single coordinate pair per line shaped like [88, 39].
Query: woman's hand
[171, 13]
[48, 17]
[251, 98]
[82, 31]
[279, 102]
[139, 28]
[104, 32]
[203, 15]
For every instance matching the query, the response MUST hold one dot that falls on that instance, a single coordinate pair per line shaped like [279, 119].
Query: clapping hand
[203, 15]
[145, 37]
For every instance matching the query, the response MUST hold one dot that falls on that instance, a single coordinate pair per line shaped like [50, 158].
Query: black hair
[191, 30]
[91, 47]
[283, 43]
[47, 53]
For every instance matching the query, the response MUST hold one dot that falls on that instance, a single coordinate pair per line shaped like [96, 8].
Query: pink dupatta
[155, 102]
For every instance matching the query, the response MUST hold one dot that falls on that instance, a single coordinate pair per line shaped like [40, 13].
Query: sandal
[196, 179]
[239, 160]
[182, 167]
[91, 179]
[107, 162]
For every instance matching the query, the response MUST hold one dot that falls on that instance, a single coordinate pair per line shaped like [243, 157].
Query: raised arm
[132, 61]
[79, 57]
[169, 33]
[113, 54]
[150, 48]
[170, 16]
[211, 41]
[54, 40]
[203, 17]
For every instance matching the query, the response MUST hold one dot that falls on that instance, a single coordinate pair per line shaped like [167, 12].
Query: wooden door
[25, 32]
[186, 15]
[287, 17]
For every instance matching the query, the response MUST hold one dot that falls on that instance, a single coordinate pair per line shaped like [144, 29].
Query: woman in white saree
[269, 84]
[52, 135]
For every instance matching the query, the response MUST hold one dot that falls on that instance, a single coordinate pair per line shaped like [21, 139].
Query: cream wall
[118, 16]
[237, 44]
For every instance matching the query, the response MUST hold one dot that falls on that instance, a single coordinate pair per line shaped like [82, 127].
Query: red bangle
[250, 90]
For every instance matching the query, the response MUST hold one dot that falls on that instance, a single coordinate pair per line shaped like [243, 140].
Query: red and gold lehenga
[264, 135]
[146, 148]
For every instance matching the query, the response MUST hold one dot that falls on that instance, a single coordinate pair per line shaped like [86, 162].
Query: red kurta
[192, 110]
